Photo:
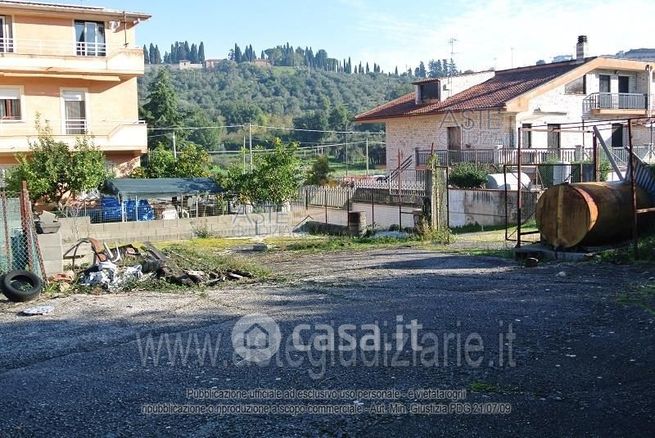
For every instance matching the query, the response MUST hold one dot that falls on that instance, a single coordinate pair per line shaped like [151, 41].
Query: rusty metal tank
[594, 213]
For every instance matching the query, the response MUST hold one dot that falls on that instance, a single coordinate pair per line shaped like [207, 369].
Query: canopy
[161, 187]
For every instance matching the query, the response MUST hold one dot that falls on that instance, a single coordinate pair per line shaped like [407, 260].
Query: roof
[68, 8]
[491, 94]
[155, 187]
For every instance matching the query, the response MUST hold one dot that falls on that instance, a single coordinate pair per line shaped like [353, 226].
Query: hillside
[235, 93]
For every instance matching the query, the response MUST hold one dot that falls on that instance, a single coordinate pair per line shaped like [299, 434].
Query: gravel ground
[583, 363]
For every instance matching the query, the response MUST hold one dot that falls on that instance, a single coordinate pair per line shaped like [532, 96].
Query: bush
[468, 175]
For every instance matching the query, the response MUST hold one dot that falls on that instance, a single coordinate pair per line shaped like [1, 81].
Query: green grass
[626, 254]
[479, 386]
[642, 296]
[200, 255]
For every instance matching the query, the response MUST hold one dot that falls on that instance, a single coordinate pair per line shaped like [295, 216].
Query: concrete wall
[486, 207]
[73, 229]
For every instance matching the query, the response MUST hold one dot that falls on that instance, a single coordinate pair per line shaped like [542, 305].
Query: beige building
[75, 69]
[479, 115]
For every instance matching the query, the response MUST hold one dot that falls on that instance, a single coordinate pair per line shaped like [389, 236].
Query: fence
[529, 156]
[19, 248]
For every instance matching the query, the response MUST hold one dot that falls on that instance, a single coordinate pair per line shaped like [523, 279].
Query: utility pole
[174, 145]
[243, 153]
[250, 142]
[346, 154]
[366, 154]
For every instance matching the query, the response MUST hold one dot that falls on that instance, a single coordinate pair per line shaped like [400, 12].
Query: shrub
[468, 175]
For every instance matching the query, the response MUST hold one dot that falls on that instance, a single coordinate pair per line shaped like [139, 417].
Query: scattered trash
[531, 262]
[38, 310]
[117, 269]
[561, 274]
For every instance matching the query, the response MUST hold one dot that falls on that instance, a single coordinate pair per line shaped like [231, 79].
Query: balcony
[109, 136]
[52, 57]
[616, 103]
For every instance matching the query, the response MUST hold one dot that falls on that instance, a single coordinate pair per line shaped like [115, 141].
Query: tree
[421, 73]
[146, 55]
[201, 52]
[161, 109]
[54, 171]
[160, 162]
[312, 124]
[275, 177]
[339, 119]
[157, 56]
[151, 54]
[319, 174]
[193, 55]
[192, 162]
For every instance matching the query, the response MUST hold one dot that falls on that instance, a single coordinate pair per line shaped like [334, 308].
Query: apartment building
[75, 69]
[468, 115]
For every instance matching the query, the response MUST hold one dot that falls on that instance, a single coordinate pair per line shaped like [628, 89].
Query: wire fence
[19, 247]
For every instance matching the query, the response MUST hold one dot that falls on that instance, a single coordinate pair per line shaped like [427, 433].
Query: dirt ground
[582, 361]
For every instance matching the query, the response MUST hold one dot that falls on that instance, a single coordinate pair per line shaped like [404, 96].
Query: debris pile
[125, 266]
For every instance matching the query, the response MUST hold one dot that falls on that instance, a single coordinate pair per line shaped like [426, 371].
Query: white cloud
[491, 33]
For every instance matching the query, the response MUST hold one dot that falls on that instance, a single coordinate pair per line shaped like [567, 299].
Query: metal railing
[20, 46]
[8, 128]
[502, 156]
[598, 101]
[76, 127]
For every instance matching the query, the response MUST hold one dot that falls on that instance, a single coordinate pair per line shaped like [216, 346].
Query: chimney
[581, 48]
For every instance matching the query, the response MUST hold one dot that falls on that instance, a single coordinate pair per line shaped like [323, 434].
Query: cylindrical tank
[587, 213]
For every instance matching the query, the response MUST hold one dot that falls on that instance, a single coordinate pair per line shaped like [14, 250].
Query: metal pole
[596, 161]
[250, 142]
[373, 209]
[519, 199]
[366, 155]
[243, 152]
[174, 145]
[346, 157]
[400, 199]
[633, 190]
[506, 207]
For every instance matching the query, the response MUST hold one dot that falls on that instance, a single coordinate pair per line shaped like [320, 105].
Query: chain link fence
[19, 247]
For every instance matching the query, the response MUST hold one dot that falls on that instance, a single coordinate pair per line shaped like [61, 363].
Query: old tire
[21, 286]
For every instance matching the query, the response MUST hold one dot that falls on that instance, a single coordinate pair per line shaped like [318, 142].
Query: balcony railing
[54, 48]
[615, 101]
[529, 156]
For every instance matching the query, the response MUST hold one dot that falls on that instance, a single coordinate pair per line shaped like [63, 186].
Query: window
[554, 136]
[90, 38]
[430, 91]
[578, 86]
[454, 138]
[74, 112]
[10, 104]
[604, 83]
[6, 41]
[526, 135]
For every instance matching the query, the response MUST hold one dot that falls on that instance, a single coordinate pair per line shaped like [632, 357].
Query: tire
[21, 286]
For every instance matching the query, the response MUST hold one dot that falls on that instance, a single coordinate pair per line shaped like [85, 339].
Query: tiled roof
[493, 93]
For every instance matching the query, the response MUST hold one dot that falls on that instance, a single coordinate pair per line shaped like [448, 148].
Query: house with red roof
[553, 106]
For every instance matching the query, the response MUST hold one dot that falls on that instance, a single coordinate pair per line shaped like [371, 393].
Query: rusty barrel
[594, 213]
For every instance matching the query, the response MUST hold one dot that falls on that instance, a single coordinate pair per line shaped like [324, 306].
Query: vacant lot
[582, 361]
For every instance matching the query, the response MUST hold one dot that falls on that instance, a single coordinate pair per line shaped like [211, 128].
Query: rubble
[122, 268]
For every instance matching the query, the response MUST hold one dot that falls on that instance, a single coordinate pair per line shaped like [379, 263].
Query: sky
[492, 33]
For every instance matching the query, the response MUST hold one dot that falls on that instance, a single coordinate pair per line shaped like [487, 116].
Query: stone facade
[490, 129]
